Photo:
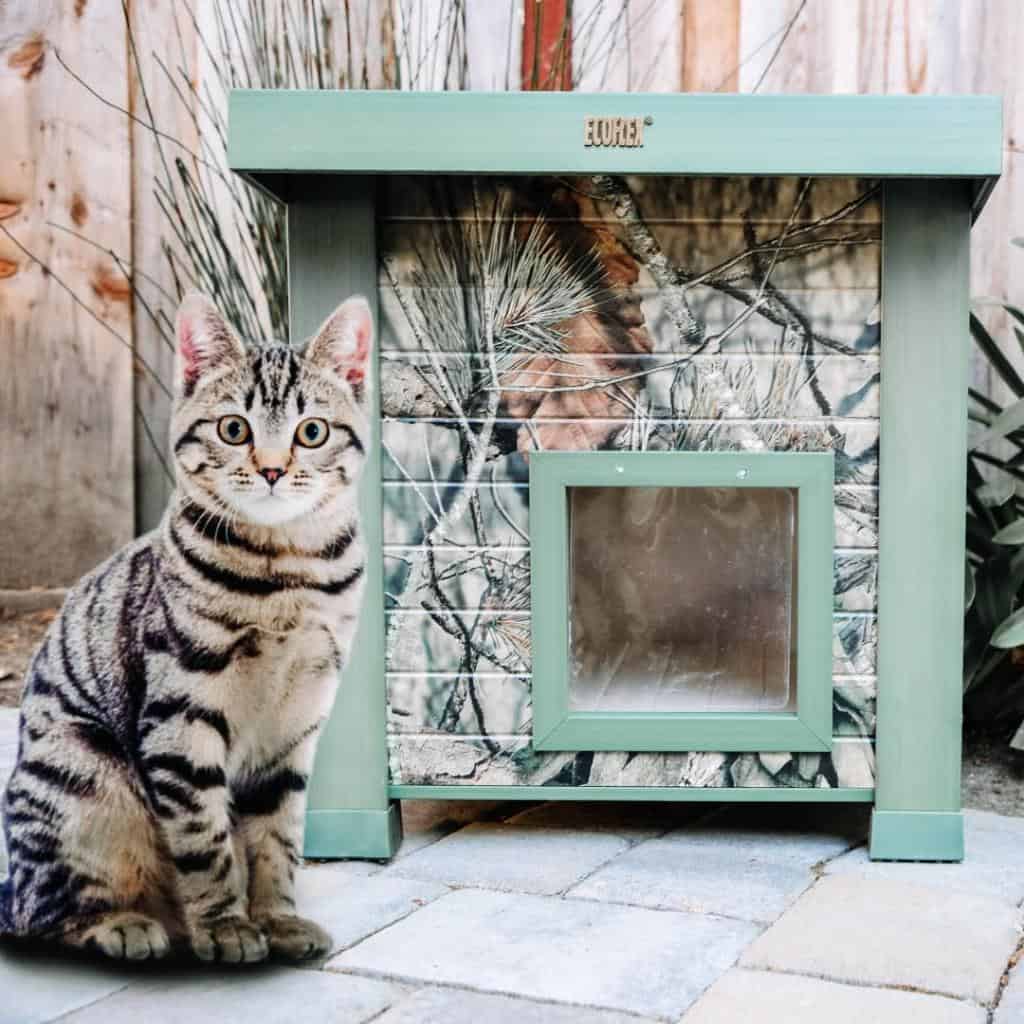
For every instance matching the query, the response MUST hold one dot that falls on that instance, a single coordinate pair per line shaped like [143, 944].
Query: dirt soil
[993, 774]
[20, 635]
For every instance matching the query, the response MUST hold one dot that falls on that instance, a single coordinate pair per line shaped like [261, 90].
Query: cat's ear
[205, 341]
[344, 343]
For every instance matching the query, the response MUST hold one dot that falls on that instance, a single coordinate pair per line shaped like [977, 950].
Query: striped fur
[170, 716]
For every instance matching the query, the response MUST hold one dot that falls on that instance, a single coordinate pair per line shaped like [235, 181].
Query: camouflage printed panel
[655, 314]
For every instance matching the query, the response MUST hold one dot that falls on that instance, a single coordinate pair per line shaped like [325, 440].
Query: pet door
[682, 601]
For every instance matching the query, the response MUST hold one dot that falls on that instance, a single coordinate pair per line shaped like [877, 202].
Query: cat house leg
[332, 252]
[921, 588]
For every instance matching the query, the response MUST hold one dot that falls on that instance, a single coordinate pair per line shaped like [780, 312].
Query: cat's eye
[233, 429]
[312, 433]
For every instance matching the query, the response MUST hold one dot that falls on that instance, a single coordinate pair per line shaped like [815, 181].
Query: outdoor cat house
[666, 499]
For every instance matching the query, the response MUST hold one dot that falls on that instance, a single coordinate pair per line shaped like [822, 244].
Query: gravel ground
[993, 774]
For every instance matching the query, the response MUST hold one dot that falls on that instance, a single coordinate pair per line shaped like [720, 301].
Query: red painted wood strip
[547, 45]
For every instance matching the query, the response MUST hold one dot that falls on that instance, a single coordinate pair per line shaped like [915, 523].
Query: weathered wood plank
[161, 32]
[494, 45]
[66, 391]
[711, 45]
[939, 47]
[420, 62]
[981, 53]
[362, 36]
[627, 46]
[547, 45]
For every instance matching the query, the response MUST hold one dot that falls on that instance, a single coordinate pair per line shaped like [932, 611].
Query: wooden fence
[85, 282]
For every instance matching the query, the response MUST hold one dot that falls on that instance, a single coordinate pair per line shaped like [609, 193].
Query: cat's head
[266, 435]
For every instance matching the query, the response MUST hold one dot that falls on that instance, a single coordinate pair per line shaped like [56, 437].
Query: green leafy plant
[994, 574]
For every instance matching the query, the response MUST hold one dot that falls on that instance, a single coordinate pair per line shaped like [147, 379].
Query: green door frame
[556, 726]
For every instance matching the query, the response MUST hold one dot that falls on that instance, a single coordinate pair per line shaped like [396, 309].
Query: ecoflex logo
[615, 132]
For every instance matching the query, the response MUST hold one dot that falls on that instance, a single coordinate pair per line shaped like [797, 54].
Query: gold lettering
[623, 132]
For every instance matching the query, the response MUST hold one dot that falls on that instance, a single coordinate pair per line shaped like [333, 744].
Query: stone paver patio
[603, 914]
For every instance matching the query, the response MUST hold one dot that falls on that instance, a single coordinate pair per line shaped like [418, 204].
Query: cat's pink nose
[271, 474]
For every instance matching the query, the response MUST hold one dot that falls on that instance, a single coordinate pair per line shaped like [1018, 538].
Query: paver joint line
[93, 1002]
[881, 986]
[1013, 964]
[714, 916]
[579, 881]
[399, 979]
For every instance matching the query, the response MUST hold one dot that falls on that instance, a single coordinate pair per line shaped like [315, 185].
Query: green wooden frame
[556, 727]
[332, 254]
[651, 794]
[279, 133]
[922, 498]
[939, 158]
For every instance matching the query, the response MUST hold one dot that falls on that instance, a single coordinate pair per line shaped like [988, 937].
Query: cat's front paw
[296, 938]
[231, 940]
[127, 936]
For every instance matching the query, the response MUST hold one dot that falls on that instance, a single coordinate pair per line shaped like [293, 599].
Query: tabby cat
[169, 719]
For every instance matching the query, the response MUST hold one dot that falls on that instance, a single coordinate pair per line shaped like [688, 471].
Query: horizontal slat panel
[410, 508]
[495, 578]
[854, 645]
[791, 387]
[428, 451]
[854, 705]
[500, 705]
[435, 642]
[856, 521]
[665, 199]
[492, 760]
[856, 581]
[846, 317]
[481, 705]
[834, 257]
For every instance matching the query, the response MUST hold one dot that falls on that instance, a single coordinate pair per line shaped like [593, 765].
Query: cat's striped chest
[276, 666]
[280, 688]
